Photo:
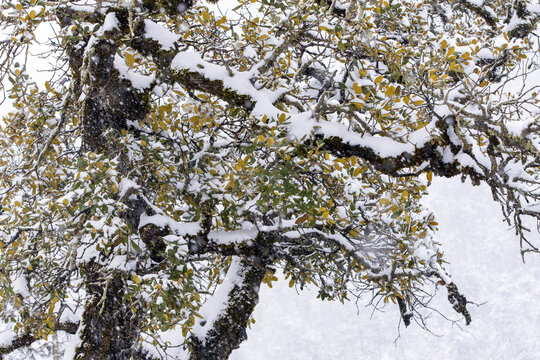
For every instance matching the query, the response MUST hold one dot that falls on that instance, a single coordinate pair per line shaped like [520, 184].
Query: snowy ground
[486, 265]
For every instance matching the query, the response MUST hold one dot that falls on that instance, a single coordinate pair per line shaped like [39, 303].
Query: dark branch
[488, 16]
[229, 329]
[28, 338]
[458, 301]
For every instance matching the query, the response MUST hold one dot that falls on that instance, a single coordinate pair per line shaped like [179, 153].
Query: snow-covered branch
[11, 341]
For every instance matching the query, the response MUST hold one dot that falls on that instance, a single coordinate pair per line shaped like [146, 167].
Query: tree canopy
[180, 156]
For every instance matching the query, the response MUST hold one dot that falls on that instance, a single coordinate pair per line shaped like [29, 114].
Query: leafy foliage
[300, 136]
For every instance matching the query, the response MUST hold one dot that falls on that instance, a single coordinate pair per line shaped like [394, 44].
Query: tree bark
[229, 328]
[110, 327]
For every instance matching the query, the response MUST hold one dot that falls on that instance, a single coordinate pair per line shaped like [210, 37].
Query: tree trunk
[240, 290]
[110, 328]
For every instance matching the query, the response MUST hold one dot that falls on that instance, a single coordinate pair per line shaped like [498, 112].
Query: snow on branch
[10, 341]
[234, 300]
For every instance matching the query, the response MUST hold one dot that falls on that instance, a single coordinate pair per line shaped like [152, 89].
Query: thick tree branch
[483, 11]
[524, 20]
[28, 339]
[111, 326]
[458, 301]
[217, 335]
[246, 100]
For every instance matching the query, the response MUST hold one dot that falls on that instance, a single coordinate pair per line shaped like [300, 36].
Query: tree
[177, 158]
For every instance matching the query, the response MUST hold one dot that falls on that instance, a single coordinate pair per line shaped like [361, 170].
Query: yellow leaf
[239, 166]
[455, 66]
[418, 102]
[163, 125]
[451, 50]
[357, 104]
[354, 233]
[130, 59]
[136, 279]
[357, 88]
[32, 14]
[301, 219]
[18, 7]
[206, 15]
[390, 91]
[221, 21]
[270, 141]
[429, 176]
[405, 195]
[378, 79]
